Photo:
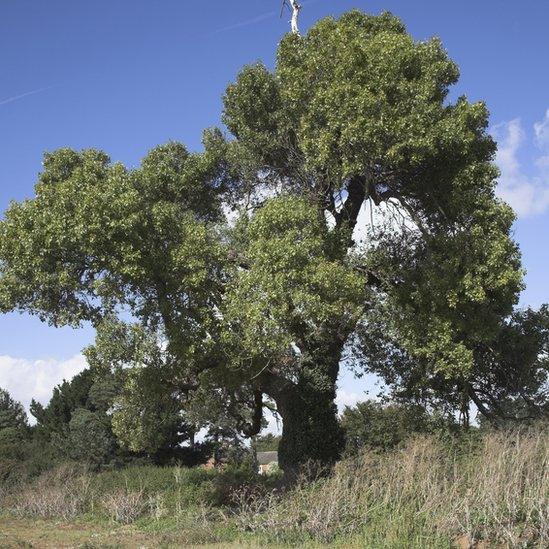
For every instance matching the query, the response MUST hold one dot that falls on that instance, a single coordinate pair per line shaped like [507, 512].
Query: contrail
[20, 96]
[254, 20]
[245, 23]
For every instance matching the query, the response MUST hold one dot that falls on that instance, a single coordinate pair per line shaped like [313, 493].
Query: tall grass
[427, 494]
[60, 493]
[486, 490]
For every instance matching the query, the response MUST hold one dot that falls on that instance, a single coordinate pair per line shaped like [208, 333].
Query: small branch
[253, 428]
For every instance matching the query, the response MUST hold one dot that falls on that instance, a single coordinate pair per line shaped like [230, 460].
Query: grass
[486, 491]
[427, 494]
[85, 534]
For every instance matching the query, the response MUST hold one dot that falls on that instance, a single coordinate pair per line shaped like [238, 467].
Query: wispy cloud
[246, 23]
[21, 95]
[255, 20]
[527, 193]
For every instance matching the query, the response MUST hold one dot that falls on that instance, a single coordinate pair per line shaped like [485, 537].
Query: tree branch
[254, 427]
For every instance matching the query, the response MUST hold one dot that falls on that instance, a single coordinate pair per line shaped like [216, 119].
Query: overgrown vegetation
[428, 492]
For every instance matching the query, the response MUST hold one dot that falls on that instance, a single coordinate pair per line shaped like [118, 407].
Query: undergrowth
[492, 488]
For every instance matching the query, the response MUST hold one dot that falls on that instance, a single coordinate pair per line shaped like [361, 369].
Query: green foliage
[97, 232]
[179, 486]
[15, 442]
[266, 443]
[12, 414]
[293, 281]
[146, 413]
[146, 418]
[512, 375]
[76, 424]
[507, 380]
[372, 425]
[67, 397]
[14, 429]
[90, 438]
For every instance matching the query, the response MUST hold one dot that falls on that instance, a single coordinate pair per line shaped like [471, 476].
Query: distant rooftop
[264, 458]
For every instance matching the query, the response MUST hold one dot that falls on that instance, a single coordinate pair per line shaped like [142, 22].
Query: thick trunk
[311, 434]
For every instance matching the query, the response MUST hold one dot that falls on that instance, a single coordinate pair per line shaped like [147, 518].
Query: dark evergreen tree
[14, 428]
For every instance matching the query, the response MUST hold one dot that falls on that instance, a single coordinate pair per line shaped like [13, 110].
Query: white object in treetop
[295, 15]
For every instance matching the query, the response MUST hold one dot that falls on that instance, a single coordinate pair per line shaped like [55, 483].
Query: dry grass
[491, 491]
[421, 495]
[60, 493]
[124, 506]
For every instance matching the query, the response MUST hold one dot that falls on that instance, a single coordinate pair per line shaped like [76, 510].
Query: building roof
[264, 458]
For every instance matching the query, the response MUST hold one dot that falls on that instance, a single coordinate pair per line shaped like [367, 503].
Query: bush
[61, 493]
[430, 492]
[373, 425]
[124, 506]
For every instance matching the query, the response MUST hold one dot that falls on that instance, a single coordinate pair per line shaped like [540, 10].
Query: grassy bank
[491, 488]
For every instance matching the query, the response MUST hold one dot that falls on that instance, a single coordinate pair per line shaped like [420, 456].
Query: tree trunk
[311, 433]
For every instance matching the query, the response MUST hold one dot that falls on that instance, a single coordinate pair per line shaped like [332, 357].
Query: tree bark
[311, 433]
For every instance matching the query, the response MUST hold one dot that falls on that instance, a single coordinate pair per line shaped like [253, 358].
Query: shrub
[61, 493]
[124, 506]
[430, 492]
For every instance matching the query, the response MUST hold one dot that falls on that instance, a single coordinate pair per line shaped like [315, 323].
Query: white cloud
[541, 130]
[28, 379]
[527, 194]
[347, 398]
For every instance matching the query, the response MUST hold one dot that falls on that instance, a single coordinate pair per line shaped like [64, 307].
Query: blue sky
[126, 75]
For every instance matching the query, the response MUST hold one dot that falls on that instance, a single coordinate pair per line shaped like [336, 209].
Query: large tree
[243, 262]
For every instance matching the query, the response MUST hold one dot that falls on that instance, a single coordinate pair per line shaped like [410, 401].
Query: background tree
[90, 438]
[76, 424]
[266, 443]
[53, 419]
[14, 428]
[260, 310]
[377, 426]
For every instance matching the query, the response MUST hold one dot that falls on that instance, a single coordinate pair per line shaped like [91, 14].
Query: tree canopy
[234, 279]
